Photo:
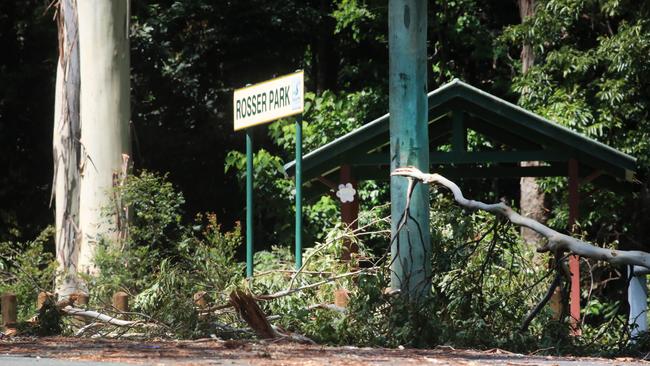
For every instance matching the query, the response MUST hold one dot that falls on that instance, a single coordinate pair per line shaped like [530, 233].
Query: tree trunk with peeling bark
[105, 113]
[532, 198]
[66, 150]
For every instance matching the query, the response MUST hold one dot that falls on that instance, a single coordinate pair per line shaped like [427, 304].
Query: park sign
[269, 100]
[260, 103]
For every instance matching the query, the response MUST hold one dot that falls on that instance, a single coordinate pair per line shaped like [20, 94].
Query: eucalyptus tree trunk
[409, 146]
[105, 113]
[532, 198]
[66, 150]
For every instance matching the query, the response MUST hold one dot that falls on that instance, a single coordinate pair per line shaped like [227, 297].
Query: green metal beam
[549, 130]
[500, 135]
[458, 132]
[472, 157]
[471, 172]
[577, 150]
[495, 118]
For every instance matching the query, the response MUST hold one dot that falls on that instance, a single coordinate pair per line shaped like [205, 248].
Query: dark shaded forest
[186, 59]
[188, 56]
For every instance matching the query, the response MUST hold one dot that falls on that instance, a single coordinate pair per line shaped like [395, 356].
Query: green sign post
[249, 202]
[298, 192]
[263, 103]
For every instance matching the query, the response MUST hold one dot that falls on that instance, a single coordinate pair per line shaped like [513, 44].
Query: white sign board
[268, 101]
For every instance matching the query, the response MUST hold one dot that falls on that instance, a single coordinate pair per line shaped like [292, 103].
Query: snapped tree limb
[556, 242]
[97, 316]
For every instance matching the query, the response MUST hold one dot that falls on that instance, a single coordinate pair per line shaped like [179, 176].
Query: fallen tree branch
[556, 242]
[312, 285]
[282, 293]
[97, 316]
[251, 312]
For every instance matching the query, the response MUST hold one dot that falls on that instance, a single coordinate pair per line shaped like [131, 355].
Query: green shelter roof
[510, 135]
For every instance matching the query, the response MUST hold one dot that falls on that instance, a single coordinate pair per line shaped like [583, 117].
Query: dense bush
[26, 269]
[164, 261]
[485, 280]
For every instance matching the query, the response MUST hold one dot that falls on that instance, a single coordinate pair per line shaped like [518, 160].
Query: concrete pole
[409, 145]
[637, 297]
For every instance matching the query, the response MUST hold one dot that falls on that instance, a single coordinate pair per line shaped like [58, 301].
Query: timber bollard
[9, 319]
[201, 299]
[82, 299]
[121, 301]
[341, 297]
[43, 297]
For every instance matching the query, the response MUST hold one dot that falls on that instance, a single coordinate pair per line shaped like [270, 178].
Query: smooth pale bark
[555, 242]
[637, 297]
[66, 151]
[104, 55]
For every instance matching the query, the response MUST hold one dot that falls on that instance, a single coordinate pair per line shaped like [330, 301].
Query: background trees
[187, 56]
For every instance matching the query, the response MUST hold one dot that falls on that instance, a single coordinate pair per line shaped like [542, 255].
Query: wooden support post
[349, 211]
[9, 304]
[121, 301]
[409, 146]
[574, 261]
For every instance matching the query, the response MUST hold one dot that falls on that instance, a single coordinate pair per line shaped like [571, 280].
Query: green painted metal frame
[298, 237]
[496, 118]
[249, 203]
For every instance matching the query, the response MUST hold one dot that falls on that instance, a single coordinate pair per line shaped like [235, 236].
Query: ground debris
[209, 351]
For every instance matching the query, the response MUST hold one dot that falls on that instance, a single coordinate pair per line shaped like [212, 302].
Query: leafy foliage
[185, 259]
[589, 75]
[26, 269]
[326, 117]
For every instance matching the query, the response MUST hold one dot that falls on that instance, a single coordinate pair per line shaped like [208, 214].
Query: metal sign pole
[249, 202]
[299, 191]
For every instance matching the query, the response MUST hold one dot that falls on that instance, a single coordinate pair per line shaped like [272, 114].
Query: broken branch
[557, 242]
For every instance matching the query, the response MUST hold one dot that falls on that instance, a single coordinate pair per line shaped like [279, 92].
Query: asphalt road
[28, 361]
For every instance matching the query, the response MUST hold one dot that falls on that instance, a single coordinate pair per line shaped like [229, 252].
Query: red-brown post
[574, 260]
[349, 211]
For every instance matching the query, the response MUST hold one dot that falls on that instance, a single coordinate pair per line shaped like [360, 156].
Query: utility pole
[409, 146]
